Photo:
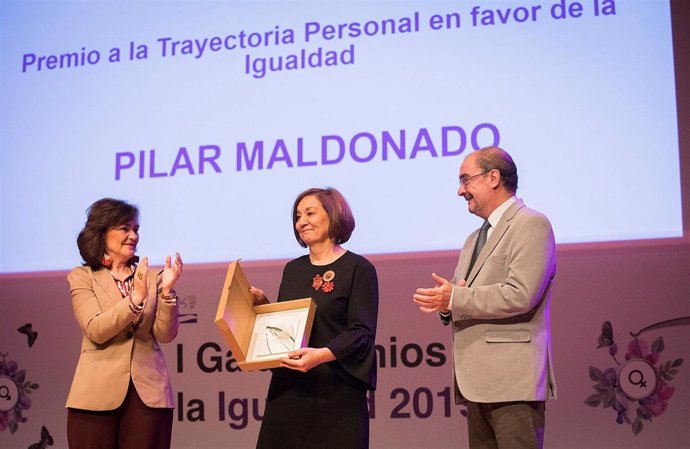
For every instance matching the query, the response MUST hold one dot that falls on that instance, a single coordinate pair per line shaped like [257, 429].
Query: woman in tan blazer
[121, 395]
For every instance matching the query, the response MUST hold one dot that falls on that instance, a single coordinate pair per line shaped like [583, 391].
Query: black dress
[326, 407]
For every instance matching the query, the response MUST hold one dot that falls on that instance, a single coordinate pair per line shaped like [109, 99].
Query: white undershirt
[497, 214]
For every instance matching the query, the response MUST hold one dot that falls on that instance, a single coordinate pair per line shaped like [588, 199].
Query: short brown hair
[490, 158]
[102, 215]
[341, 220]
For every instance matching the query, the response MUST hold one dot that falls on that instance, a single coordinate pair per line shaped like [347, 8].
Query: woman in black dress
[317, 399]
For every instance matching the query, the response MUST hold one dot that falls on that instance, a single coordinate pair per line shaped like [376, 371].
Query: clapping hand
[171, 273]
[435, 299]
[140, 289]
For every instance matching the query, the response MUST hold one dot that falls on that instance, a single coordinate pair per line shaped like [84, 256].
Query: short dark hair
[490, 158]
[102, 215]
[341, 220]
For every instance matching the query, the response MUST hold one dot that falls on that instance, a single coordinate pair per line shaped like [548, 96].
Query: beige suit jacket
[502, 339]
[115, 347]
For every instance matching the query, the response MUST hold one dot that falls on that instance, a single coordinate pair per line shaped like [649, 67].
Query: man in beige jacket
[498, 304]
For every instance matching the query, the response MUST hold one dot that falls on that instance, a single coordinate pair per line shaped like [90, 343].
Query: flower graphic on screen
[14, 394]
[637, 388]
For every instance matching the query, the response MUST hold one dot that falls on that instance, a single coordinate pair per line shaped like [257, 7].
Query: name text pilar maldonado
[361, 147]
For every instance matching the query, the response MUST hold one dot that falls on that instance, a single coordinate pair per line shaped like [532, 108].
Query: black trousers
[133, 425]
[506, 425]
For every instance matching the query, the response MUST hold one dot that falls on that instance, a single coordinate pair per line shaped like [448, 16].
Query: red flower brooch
[325, 282]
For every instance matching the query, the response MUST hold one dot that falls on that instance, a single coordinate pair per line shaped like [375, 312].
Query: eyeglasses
[464, 179]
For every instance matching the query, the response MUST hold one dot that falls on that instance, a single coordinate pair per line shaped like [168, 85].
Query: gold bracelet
[173, 295]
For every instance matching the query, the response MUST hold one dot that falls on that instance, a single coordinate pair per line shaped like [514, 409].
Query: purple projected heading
[313, 33]
[362, 147]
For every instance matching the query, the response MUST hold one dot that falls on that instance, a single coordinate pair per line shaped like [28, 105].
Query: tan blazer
[114, 348]
[502, 339]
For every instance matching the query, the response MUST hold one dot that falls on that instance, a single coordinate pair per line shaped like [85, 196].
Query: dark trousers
[506, 425]
[133, 425]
